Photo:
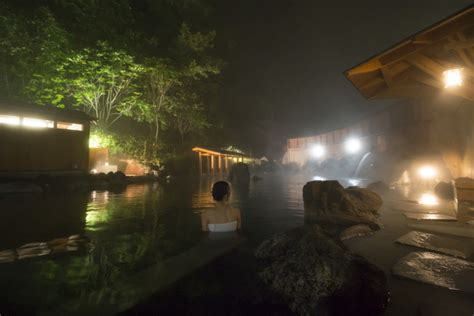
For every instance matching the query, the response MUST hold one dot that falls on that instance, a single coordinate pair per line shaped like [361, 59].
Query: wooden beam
[394, 73]
[388, 76]
[454, 39]
[426, 65]
[372, 82]
[465, 91]
[453, 44]
[371, 65]
[400, 53]
[465, 53]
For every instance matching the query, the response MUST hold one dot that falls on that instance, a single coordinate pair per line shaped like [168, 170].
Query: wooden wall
[43, 149]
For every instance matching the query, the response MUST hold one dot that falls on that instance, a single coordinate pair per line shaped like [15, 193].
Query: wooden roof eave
[398, 52]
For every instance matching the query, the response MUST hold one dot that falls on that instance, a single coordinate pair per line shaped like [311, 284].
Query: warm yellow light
[94, 142]
[37, 123]
[427, 172]
[452, 78]
[9, 120]
[317, 151]
[428, 199]
[70, 126]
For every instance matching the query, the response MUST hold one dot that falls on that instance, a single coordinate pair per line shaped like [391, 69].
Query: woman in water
[223, 217]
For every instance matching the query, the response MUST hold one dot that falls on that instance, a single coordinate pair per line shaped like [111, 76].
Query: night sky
[287, 60]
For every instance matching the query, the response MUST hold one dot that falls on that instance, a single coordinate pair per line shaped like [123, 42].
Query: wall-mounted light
[37, 123]
[452, 78]
[427, 172]
[353, 145]
[9, 120]
[317, 151]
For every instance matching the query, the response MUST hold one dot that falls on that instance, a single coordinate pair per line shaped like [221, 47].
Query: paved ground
[410, 297]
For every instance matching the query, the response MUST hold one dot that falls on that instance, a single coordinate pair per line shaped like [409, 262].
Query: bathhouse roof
[415, 66]
[16, 108]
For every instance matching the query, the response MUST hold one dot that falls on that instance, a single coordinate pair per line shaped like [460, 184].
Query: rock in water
[315, 273]
[329, 201]
[239, 173]
[444, 191]
[358, 230]
[380, 187]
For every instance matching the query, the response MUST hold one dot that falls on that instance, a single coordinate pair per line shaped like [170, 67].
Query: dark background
[284, 76]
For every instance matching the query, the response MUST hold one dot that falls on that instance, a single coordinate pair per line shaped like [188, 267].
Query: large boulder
[328, 201]
[317, 275]
[379, 187]
[239, 173]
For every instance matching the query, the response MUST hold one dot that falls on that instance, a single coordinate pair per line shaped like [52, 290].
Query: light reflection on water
[126, 232]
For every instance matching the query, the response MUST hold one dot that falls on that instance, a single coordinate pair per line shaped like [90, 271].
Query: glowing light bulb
[428, 199]
[353, 145]
[452, 78]
[317, 151]
[427, 172]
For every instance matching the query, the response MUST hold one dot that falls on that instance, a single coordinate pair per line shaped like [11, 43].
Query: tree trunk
[157, 130]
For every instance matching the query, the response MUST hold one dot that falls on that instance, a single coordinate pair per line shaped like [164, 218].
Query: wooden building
[218, 161]
[42, 139]
[432, 72]
[370, 131]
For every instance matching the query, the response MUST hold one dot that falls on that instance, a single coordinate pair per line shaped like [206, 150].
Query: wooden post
[208, 165]
[212, 164]
[219, 163]
[200, 163]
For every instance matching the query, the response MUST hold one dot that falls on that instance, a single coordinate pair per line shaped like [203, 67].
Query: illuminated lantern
[452, 78]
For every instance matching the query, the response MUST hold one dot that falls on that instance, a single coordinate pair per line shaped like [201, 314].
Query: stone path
[437, 269]
[446, 245]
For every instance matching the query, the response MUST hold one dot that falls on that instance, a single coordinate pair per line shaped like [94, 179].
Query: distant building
[41, 139]
[331, 144]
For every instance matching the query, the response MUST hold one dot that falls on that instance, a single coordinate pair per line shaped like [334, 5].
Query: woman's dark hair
[220, 189]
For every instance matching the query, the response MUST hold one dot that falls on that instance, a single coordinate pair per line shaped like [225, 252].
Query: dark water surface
[119, 234]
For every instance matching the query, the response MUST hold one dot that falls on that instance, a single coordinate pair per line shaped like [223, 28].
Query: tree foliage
[143, 61]
[100, 81]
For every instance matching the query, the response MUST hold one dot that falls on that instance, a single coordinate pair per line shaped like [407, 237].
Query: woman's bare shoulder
[235, 210]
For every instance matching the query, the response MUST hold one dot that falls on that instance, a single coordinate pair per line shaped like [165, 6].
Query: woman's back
[222, 217]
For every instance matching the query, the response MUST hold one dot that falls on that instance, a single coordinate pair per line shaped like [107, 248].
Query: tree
[160, 80]
[101, 81]
[168, 81]
[28, 45]
[188, 114]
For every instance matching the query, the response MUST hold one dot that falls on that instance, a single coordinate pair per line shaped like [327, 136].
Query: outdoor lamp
[428, 199]
[427, 172]
[317, 151]
[353, 145]
[452, 78]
